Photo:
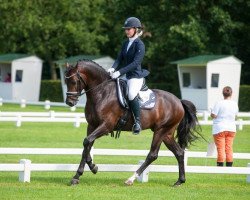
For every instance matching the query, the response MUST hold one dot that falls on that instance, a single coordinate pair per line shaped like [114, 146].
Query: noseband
[81, 81]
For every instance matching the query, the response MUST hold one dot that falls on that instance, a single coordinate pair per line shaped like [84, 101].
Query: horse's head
[75, 84]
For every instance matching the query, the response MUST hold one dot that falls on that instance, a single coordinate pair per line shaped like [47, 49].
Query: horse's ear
[67, 65]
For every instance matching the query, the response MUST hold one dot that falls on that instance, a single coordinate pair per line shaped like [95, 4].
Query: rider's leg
[135, 108]
[134, 86]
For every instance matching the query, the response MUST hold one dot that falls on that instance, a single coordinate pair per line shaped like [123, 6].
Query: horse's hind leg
[152, 156]
[173, 146]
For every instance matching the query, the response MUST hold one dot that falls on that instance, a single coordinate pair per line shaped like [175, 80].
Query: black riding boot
[135, 108]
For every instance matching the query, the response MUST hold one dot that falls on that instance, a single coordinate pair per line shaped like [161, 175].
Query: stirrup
[136, 128]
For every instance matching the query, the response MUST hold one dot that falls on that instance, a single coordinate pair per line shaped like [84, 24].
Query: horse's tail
[188, 126]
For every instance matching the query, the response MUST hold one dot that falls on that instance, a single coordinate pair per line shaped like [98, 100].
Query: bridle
[78, 86]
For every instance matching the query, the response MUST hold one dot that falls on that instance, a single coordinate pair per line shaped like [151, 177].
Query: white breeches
[134, 86]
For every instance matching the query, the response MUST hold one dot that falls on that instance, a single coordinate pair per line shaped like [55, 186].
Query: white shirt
[226, 111]
[131, 40]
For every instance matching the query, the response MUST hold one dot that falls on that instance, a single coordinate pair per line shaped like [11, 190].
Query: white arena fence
[25, 166]
[51, 116]
[78, 118]
[47, 104]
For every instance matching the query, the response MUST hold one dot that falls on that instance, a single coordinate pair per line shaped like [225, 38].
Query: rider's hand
[111, 70]
[115, 75]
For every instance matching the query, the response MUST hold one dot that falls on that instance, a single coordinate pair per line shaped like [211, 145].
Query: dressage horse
[103, 111]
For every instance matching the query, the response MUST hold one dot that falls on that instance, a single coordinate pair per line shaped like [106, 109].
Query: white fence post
[248, 176]
[52, 114]
[73, 108]
[77, 122]
[240, 125]
[23, 103]
[1, 101]
[19, 120]
[47, 105]
[24, 176]
[205, 116]
[143, 178]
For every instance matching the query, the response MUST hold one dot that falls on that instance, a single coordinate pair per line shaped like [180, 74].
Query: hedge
[51, 90]
[244, 98]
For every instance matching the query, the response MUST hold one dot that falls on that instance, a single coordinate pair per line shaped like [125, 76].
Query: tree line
[173, 29]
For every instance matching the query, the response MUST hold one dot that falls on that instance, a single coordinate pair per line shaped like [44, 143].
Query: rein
[79, 93]
[97, 86]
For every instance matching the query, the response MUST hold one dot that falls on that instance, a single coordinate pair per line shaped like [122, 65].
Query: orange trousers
[224, 143]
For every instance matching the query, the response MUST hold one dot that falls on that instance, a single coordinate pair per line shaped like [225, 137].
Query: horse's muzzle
[70, 102]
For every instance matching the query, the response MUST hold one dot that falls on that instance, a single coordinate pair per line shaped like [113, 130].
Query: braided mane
[90, 64]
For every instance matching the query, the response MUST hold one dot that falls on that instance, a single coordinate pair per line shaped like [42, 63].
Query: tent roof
[199, 60]
[8, 58]
[74, 59]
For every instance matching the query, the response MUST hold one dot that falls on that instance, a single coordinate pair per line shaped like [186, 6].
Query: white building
[25, 77]
[202, 78]
[104, 61]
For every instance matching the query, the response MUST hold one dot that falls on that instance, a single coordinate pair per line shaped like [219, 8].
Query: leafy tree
[51, 29]
[173, 29]
[176, 29]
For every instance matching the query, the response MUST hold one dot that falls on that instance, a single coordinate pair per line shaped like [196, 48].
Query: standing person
[224, 128]
[129, 62]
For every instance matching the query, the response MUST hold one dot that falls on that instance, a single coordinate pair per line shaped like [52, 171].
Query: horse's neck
[96, 82]
[99, 91]
[95, 77]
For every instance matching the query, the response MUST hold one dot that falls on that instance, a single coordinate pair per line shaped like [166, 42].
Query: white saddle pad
[147, 99]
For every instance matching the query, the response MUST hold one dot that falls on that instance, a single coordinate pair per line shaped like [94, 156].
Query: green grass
[104, 185]
[110, 186]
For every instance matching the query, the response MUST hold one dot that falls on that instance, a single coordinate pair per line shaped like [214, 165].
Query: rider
[129, 62]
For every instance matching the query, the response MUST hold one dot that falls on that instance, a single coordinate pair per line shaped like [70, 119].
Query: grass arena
[110, 185]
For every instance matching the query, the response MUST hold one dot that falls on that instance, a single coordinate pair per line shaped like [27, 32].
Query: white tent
[202, 78]
[104, 61]
[24, 80]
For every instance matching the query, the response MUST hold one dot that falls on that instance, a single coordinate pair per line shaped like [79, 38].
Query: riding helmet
[132, 22]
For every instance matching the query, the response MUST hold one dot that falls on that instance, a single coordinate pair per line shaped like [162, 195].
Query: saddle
[146, 101]
[146, 96]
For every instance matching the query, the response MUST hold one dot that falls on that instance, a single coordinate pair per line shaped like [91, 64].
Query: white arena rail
[47, 104]
[42, 114]
[50, 116]
[25, 166]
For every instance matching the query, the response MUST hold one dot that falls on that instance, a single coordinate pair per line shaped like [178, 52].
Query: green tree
[173, 29]
[176, 29]
[51, 29]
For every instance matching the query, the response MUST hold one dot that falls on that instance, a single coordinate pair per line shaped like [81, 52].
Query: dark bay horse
[103, 111]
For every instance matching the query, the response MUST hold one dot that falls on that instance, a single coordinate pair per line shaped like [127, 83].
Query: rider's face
[130, 32]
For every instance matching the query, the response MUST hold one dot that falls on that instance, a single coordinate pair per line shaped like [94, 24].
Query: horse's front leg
[86, 158]
[93, 168]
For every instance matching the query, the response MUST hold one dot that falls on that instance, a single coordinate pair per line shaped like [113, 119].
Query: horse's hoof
[74, 181]
[94, 170]
[128, 182]
[178, 183]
